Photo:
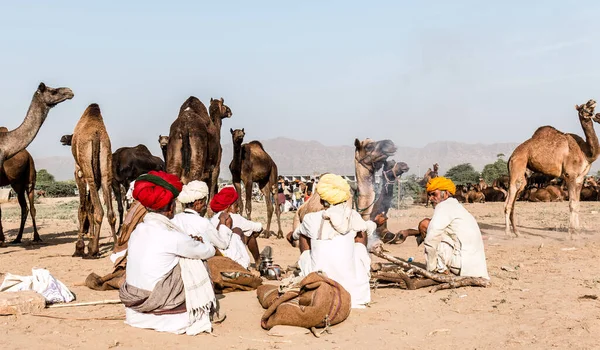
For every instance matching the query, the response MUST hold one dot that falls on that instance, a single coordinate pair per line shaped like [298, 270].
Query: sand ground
[539, 304]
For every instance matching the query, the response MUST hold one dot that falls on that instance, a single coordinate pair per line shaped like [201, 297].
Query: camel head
[237, 136]
[586, 111]
[393, 170]
[372, 154]
[53, 96]
[436, 166]
[218, 107]
[163, 141]
[66, 140]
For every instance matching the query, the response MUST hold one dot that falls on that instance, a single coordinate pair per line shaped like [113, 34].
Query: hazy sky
[413, 72]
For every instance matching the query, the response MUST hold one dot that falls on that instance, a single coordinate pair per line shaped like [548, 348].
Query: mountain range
[294, 157]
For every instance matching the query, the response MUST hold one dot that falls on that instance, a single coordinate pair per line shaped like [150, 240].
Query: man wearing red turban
[167, 287]
[246, 231]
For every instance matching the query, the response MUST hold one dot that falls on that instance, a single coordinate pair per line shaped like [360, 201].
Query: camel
[474, 194]
[251, 163]
[556, 154]
[369, 157]
[128, 164]
[44, 98]
[193, 149]
[19, 172]
[429, 174]
[217, 111]
[493, 195]
[93, 170]
[163, 141]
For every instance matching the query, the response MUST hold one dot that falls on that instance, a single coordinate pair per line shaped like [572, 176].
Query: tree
[494, 170]
[44, 177]
[463, 173]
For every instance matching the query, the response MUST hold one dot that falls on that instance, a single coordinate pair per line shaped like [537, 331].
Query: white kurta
[236, 250]
[451, 224]
[336, 254]
[153, 251]
[193, 224]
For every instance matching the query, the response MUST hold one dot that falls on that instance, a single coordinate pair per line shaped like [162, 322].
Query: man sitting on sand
[225, 204]
[451, 237]
[334, 240]
[167, 287]
[192, 221]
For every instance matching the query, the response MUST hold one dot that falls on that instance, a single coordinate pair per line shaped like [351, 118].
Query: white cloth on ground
[154, 249]
[193, 224]
[41, 281]
[343, 260]
[452, 224]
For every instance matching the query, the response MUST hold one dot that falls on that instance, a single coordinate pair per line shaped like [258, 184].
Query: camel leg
[24, 213]
[96, 221]
[574, 188]
[1, 230]
[31, 197]
[248, 190]
[110, 213]
[517, 184]
[82, 215]
[238, 189]
[116, 187]
[266, 193]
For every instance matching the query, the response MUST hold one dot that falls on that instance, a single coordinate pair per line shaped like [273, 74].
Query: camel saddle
[317, 301]
[228, 276]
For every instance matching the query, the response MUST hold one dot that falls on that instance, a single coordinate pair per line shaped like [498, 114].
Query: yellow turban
[333, 189]
[441, 183]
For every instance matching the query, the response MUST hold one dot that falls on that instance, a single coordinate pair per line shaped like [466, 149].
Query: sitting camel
[19, 172]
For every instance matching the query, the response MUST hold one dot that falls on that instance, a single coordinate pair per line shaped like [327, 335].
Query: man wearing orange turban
[226, 203]
[167, 287]
[452, 238]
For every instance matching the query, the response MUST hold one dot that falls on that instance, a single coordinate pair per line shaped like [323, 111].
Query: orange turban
[222, 200]
[441, 183]
[156, 189]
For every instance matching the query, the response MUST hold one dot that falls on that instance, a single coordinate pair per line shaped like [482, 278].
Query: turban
[193, 191]
[333, 189]
[156, 189]
[226, 197]
[441, 183]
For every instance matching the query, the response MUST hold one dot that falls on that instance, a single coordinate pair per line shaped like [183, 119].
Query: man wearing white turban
[192, 221]
[334, 240]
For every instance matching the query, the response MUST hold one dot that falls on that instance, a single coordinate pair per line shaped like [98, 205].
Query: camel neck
[365, 181]
[19, 138]
[591, 140]
[237, 160]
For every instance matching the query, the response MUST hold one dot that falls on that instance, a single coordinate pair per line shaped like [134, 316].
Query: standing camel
[19, 173]
[44, 98]
[251, 163]
[93, 170]
[217, 111]
[163, 141]
[557, 154]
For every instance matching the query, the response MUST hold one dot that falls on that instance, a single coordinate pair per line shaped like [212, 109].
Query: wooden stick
[451, 281]
[106, 318]
[87, 303]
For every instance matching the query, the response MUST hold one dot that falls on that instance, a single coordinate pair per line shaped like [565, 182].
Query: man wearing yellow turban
[335, 239]
[452, 237]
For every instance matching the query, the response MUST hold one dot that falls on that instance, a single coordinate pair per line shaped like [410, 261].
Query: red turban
[226, 197]
[156, 189]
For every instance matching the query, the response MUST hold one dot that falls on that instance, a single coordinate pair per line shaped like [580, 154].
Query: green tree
[44, 177]
[494, 170]
[463, 173]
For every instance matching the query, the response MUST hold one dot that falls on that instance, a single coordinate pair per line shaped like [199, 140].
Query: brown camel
[19, 172]
[93, 170]
[217, 111]
[250, 164]
[163, 141]
[557, 154]
[369, 157]
[44, 98]
[194, 144]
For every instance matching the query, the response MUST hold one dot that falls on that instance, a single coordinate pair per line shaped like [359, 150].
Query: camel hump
[3, 129]
[194, 104]
[93, 110]
[257, 143]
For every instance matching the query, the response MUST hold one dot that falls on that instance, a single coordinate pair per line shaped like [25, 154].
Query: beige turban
[333, 189]
[193, 191]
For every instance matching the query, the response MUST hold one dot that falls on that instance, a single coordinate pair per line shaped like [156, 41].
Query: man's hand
[290, 238]
[225, 219]
[380, 219]
[197, 238]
